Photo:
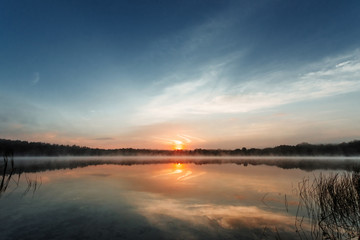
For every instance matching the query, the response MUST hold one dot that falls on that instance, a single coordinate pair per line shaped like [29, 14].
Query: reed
[8, 170]
[8, 173]
[332, 207]
[32, 184]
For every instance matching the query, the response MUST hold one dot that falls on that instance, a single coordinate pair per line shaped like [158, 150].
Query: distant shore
[24, 148]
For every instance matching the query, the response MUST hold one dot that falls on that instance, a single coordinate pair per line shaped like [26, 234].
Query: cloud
[36, 78]
[180, 98]
[212, 93]
[103, 139]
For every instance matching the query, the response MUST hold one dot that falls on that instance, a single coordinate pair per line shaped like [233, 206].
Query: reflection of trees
[332, 205]
[42, 164]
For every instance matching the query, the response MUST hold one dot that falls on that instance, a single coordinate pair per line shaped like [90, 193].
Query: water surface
[157, 198]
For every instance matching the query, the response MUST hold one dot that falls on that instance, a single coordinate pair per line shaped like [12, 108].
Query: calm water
[164, 198]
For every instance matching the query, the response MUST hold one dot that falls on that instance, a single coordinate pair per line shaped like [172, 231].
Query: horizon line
[179, 150]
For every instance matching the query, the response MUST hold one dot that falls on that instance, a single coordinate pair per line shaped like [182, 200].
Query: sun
[178, 145]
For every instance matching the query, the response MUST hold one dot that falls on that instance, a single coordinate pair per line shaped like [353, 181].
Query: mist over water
[31, 164]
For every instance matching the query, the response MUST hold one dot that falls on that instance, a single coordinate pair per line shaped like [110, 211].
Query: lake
[159, 197]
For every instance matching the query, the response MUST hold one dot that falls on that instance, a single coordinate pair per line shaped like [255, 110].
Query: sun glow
[178, 145]
[178, 142]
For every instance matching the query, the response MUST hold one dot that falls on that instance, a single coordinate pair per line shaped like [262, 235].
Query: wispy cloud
[103, 139]
[177, 140]
[211, 93]
[36, 78]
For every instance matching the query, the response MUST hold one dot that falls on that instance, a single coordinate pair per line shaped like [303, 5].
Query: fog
[36, 164]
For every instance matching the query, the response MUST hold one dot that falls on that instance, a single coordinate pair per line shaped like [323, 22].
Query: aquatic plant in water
[332, 206]
[7, 171]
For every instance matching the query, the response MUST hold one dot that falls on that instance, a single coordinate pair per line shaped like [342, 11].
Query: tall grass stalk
[332, 206]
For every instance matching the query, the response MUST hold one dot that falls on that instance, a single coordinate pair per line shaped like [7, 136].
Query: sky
[180, 74]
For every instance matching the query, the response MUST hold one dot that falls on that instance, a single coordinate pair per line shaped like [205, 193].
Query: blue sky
[210, 74]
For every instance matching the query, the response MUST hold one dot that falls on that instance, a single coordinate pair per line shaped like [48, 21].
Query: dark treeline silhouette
[24, 148]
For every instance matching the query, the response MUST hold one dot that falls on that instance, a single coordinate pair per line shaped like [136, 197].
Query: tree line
[24, 148]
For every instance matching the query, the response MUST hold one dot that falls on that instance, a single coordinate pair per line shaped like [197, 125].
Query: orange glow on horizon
[178, 145]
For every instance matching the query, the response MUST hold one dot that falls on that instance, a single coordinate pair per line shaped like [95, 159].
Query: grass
[8, 172]
[332, 207]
